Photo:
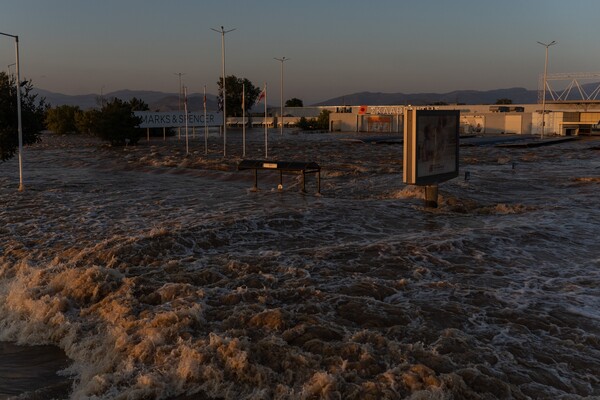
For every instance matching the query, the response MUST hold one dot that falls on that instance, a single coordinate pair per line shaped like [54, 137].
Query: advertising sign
[172, 119]
[379, 123]
[431, 144]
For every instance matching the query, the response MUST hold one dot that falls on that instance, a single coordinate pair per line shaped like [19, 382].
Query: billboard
[176, 118]
[431, 144]
[379, 123]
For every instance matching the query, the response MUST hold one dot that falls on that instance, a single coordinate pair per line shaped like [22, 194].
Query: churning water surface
[161, 275]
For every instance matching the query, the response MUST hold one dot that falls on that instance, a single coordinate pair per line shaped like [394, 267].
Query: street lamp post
[281, 60]
[102, 96]
[546, 45]
[223, 32]
[19, 124]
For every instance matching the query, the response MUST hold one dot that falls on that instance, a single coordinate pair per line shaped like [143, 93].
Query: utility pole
[222, 31]
[545, 84]
[282, 60]
[19, 121]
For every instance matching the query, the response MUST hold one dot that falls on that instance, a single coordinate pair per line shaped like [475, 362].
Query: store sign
[379, 123]
[173, 119]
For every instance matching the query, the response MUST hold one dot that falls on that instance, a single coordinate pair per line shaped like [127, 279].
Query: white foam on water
[160, 279]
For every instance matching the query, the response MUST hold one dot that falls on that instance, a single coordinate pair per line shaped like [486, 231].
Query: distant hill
[157, 101]
[84, 101]
[160, 101]
[517, 95]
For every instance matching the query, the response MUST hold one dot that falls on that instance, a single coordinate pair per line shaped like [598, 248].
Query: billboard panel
[172, 119]
[431, 146]
[379, 123]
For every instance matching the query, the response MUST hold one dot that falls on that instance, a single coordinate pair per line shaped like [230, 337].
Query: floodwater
[164, 276]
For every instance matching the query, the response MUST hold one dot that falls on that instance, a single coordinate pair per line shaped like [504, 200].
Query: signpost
[431, 144]
[172, 119]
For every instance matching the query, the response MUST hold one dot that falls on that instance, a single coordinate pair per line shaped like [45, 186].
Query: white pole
[19, 118]
[544, 89]
[224, 95]
[186, 121]
[281, 95]
[243, 120]
[223, 32]
[266, 130]
[179, 103]
[19, 122]
[282, 59]
[205, 124]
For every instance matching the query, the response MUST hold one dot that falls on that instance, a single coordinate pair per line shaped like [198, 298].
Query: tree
[62, 119]
[323, 119]
[138, 104]
[86, 120]
[504, 101]
[116, 123]
[319, 123]
[234, 94]
[294, 102]
[307, 124]
[32, 116]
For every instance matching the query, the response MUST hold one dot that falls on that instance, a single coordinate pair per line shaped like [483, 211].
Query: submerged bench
[283, 166]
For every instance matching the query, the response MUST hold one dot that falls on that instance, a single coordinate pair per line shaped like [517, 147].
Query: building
[561, 118]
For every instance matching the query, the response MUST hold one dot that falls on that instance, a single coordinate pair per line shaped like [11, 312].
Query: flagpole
[282, 59]
[243, 120]
[186, 120]
[266, 131]
[205, 125]
[179, 103]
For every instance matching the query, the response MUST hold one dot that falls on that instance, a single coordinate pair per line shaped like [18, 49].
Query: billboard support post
[431, 196]
[431, 146]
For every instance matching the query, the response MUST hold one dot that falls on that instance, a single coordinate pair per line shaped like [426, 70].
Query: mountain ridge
[157, 101]
[518, 95]
[164, 101]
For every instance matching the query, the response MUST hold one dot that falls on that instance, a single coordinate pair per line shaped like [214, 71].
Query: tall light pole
[179, 102]
[281, 60]
[102, 96]
[223, 32]
[19, 124]
[544, 90]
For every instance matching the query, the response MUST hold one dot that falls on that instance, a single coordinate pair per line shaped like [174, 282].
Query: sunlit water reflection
[162, 275]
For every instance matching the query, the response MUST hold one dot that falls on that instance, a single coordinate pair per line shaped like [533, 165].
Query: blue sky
[334, 47]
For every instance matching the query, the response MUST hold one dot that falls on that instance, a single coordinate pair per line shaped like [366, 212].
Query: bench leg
[319, 182]
[303, 182]
[255, 188]
[280, 187]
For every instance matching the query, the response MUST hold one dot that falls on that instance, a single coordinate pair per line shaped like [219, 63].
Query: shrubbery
[62, 119]
[116, 123]
[313, 124]
[32, 116]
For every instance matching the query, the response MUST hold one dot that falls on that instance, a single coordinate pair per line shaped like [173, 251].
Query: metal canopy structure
[574, 90]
